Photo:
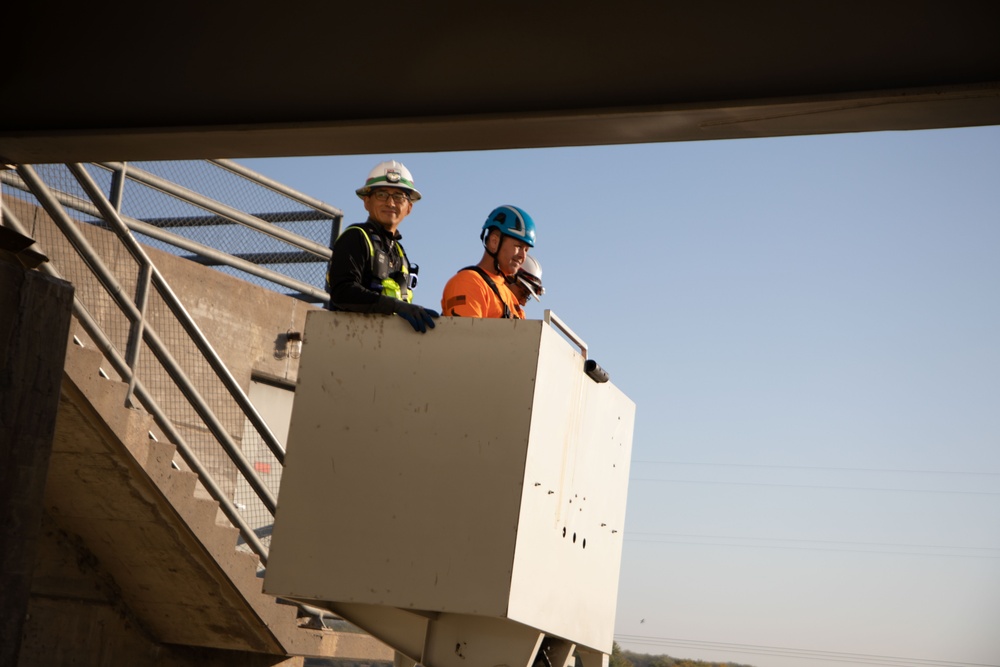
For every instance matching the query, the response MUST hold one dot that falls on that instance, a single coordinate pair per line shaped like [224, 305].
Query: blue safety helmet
[510, 221]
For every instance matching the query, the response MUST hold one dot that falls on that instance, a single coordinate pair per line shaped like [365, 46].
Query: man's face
[521, 292]
[383, 207]
[510, 252]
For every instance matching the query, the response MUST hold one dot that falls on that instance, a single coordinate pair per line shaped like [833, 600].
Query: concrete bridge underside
[214, 80]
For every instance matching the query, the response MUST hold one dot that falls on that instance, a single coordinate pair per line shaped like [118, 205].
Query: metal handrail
[219, 208]
[551, 318]
[99, 206]
[107, 278]
[280, 188]
[123, 369]
[216, 257]
[177, 308]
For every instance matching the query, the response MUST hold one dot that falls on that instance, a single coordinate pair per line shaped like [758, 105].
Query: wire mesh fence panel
[263, 246]
[89, 290]
[197, 211]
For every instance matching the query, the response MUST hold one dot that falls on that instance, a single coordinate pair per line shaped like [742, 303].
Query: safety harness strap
[384, 284]
[493, 286]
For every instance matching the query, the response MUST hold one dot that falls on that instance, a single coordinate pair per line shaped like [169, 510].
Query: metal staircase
[155, 433]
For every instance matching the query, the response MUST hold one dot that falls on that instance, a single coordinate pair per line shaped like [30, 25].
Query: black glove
[419, 317]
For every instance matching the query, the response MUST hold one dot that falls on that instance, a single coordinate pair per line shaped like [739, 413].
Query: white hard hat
[530, 275]
[390, 174]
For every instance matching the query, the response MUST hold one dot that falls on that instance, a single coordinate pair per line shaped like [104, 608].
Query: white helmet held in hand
[390, 174]
[530, 275]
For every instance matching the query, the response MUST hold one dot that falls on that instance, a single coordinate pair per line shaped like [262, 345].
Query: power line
[781, 651]
[793, 548]
[842, 469]
[817, 486]
[639, 536]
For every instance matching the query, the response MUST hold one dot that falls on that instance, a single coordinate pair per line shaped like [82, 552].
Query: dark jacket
[351, 275]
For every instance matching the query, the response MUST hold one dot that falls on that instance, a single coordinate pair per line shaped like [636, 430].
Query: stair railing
[141, 333]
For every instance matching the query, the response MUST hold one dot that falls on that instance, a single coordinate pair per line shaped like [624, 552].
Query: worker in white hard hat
[369, 271]
[528, 281]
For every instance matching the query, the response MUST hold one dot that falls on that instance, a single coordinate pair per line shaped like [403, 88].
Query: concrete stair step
[182, 491]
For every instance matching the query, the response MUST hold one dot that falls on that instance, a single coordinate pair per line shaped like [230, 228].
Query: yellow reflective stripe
[392, 290]
[371, 248]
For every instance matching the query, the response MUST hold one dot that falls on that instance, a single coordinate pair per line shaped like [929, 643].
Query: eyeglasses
[397, 197]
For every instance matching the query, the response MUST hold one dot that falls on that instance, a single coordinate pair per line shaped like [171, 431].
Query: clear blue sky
[810, 330]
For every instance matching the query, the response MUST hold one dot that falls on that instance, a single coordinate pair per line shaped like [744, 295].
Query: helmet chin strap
[496, 265]
[496, 262]
[508, 280]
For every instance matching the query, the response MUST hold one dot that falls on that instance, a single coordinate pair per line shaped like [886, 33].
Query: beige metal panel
[445, 640]
[405, 459]
[572, 516]
[459, 640]
[474, 471]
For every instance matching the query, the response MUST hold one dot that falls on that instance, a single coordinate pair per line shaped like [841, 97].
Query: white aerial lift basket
[458, 494]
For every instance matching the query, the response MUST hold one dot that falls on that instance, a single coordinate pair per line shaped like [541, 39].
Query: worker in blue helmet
[369, 271]
[483, 290]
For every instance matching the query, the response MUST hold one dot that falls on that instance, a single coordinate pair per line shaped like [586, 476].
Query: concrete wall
[34, 320]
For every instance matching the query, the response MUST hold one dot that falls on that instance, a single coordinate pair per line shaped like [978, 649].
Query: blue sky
[810, 330]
